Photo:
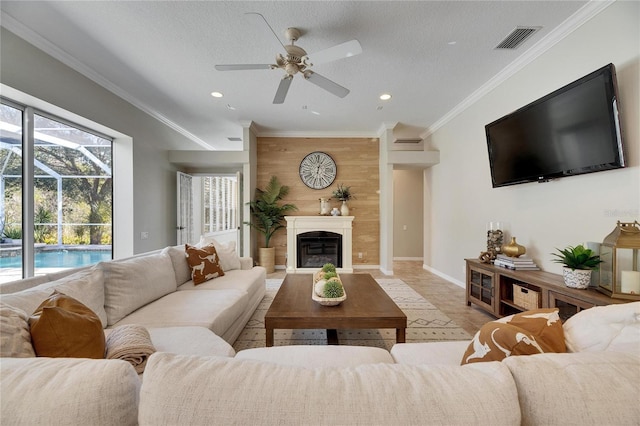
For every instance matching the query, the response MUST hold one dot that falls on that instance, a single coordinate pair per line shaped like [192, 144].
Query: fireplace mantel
[300, 224]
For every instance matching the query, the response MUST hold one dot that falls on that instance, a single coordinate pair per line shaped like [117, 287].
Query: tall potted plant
[578, 263]
[268, 216]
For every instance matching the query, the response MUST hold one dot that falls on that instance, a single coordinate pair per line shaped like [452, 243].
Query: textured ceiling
[161, 57]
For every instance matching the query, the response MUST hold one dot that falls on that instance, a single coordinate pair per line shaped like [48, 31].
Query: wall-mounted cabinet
[503, 292]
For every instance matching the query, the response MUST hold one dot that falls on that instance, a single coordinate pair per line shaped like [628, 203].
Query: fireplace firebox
[316, 248]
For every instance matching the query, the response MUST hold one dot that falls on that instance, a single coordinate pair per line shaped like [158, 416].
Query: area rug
[424, 323]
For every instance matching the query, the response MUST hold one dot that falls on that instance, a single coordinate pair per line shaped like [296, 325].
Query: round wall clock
[318, 170]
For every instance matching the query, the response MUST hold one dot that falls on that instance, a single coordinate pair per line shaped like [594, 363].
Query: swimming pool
[59, 259]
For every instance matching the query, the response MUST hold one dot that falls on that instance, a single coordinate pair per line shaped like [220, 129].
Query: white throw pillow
[132, 283]
[180, 264]
[229, 259]
[87, 286]
[15, 339]
[604, 328]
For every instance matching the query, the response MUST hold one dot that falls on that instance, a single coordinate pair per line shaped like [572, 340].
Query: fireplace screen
[319, 247]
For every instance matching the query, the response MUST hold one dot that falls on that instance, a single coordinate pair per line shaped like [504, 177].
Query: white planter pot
[576, 278]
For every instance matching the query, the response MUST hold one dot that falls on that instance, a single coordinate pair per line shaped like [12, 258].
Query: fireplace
[316, 248]
[313, 241]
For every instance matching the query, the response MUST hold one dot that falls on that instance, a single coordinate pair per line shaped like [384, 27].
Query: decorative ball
[319, 287]
[333, 288]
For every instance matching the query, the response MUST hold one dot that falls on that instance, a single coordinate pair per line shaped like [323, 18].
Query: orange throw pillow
[63, 327]
[204, 263]
[526, 333]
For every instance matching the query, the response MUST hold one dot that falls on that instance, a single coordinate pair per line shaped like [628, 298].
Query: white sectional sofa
[597, 382]
[155, 290]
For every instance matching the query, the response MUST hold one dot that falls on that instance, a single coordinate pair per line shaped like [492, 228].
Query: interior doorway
[212, 207]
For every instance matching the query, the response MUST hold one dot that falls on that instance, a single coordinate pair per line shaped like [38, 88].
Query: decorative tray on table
[319, 277]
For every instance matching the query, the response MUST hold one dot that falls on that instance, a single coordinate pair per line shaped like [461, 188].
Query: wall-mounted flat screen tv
[572, 131]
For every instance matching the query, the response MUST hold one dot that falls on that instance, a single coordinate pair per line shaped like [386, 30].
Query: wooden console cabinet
[491, 288]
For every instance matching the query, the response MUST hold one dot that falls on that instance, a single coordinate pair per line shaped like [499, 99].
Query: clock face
[318, 170]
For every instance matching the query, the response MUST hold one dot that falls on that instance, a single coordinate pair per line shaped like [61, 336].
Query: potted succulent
[268, 217]
[343, 193]
[578, 263]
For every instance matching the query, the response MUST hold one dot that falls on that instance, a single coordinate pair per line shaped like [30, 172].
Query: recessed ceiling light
[385, 96]
[217, 94]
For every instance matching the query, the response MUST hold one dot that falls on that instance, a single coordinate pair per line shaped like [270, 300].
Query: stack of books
[521, 263]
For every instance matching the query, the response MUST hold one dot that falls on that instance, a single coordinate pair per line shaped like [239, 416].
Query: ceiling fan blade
[283, 88]
[343, 50]
[326, 84]
[264, 27]
[242, 67]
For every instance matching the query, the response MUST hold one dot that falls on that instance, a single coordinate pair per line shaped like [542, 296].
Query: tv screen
[571, 131]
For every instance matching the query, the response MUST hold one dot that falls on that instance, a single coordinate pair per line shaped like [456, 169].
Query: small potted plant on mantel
[268, 217]
[578, 263]
[343, 193]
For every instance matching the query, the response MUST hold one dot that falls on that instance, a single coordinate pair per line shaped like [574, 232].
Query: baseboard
[444, 276]
[366, 266]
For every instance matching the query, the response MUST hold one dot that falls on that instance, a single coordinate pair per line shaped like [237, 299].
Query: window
[219, 200]
[67, 178]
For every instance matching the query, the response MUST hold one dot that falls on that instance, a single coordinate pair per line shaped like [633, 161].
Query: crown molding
[16, 27]
[575, 21]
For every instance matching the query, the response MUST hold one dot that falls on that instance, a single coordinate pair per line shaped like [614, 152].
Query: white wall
[542, 216]
[408, 213]
[29, 70]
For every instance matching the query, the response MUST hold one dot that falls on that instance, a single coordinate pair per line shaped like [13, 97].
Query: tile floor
[447, 297]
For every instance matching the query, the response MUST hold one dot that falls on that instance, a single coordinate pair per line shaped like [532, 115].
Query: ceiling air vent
[231, 139]
[407, 141]
[517, 37]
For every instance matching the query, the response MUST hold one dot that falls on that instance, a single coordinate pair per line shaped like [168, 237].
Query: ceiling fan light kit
[297, 61]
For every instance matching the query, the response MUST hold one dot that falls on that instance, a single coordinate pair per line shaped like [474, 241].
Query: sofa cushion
[211, 390]
[429, 352]
[213, 309]
[229, 259]
[63, 327]
[190, 341]
[65, 391]
[246, 280]
[312, 356]
[179, 261]
[86, 286]
[204, 263]
[132, 283]
[526, 333]
[597, 388]
[15, 339]
[605, 328]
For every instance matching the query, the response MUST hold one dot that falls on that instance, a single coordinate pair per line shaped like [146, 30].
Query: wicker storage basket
[526, 297]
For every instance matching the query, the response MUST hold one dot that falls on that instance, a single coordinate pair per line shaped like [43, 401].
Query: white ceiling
[161, 56]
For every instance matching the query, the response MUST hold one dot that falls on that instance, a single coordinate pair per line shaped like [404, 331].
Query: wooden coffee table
[367, 306]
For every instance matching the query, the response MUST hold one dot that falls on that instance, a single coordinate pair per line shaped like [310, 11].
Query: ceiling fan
[297, 60]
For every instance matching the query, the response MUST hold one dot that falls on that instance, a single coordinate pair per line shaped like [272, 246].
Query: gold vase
[513, 249]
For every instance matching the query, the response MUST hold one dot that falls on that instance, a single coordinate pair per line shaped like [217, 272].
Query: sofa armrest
[68, 391]
[246, 263]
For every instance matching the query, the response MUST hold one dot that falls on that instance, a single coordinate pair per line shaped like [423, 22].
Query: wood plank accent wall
[357, 162]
